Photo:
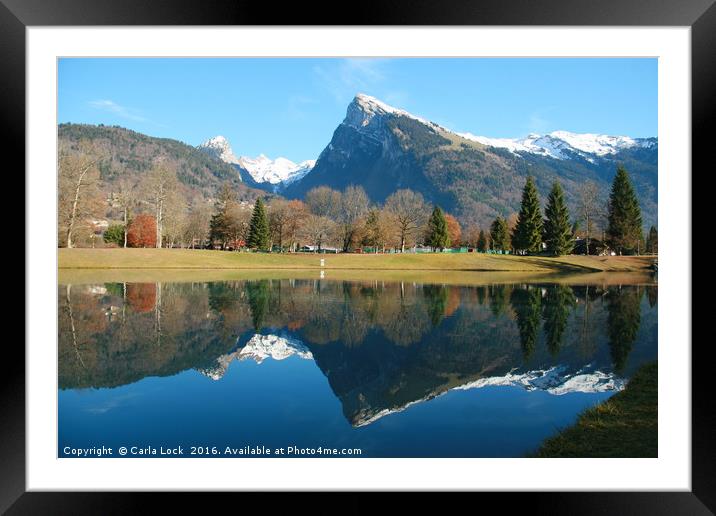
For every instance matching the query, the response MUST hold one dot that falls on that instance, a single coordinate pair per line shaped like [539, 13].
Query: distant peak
[556, 143]
[274, 171]
[215, 140]
[219, 146]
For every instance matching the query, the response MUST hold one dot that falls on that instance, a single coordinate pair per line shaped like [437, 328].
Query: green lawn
[623, 426]
[207, 259]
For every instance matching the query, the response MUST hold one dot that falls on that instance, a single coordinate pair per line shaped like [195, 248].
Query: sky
[290, 106]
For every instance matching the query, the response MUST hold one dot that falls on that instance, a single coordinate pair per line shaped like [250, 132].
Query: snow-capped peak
[262, 169]
[369, 107]
[258, 348]
[280, 170]
[556, 380]
[559, 144]
[219, 147]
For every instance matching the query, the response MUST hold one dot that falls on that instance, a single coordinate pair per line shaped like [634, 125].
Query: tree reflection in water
[381, 344]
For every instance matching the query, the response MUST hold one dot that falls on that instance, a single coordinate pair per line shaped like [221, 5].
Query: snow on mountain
[280, 170]
[219, 147]
[557, 144]
[261, 169]
[371, 106]
[561, 144]
[555, 380]
[258, 348]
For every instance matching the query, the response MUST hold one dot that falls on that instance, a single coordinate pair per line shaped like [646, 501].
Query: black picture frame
[699, 15]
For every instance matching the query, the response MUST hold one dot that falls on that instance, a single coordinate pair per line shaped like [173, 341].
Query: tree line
[158, 211]
[556, 231]
[327, 218]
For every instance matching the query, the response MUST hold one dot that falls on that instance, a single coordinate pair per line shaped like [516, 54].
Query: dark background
[15, 15]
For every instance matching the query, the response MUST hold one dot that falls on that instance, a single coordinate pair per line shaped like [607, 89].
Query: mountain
[219, 147]
[130, 154]
[258, 348]
[383, 148]
[280, 171]
[564, 145]
[260, 172]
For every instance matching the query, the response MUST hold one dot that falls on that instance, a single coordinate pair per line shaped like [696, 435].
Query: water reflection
[382, 346]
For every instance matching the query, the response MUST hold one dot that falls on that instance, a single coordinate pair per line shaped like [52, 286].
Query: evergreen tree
[624, 230]
[623, 320]
[526, 303]
[115, 234]
[259, 235]
[528, 231]
[557, 231]
[437, 235]
[219, 225]
[436, 297]
[258, 294]
[652, 241]
[500, 234]
[482, 241]
[559, 300]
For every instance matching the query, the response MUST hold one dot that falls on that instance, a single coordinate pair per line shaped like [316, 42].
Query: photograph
[357, 257]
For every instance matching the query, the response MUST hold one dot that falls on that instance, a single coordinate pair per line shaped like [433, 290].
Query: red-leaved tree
[142, 231]
[454, 230]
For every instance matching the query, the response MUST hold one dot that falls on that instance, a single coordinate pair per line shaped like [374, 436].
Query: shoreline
[625, 425]
[206, 260]
[151, 265]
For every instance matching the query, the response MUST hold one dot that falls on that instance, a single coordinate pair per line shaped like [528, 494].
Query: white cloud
[121, 111]
[350, 76]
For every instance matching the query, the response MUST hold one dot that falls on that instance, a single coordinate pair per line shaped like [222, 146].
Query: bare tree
[375, 229]
[318, 230]
[297, 213]
[353, 206]
[279, 214]
[472, 235]
[162, 189]
[78, 187]
[238, 222]
[589, 206]
[409, 212]
[197, 223]
[127, 199]
[324, 202]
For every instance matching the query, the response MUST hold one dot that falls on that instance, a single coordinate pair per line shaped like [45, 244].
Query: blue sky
[290, 107]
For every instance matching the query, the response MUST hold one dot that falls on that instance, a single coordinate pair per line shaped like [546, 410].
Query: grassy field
[623, 426]
[465, 278]
[206, 259]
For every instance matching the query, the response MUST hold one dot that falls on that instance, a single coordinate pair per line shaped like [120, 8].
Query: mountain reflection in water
[383, 347]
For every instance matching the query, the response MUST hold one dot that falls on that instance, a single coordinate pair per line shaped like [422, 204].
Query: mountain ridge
[383, 149]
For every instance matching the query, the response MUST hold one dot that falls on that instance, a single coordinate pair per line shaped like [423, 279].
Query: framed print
[416, 253]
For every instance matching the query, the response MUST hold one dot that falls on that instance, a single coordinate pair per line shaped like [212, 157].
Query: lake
[323, 368]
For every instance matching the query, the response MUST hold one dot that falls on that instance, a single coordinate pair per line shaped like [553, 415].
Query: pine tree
[500, 234]
[557, 231]
[259, 236]
[437, 235]
[652, 241]
[482, 242]
[219, 224]
[624, 230]
[528, 231]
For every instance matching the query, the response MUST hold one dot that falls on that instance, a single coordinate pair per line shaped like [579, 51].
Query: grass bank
[623, 426]
[206, 259]
[463, 278]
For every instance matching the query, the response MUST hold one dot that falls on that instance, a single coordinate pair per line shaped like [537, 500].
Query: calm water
[393, 369]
